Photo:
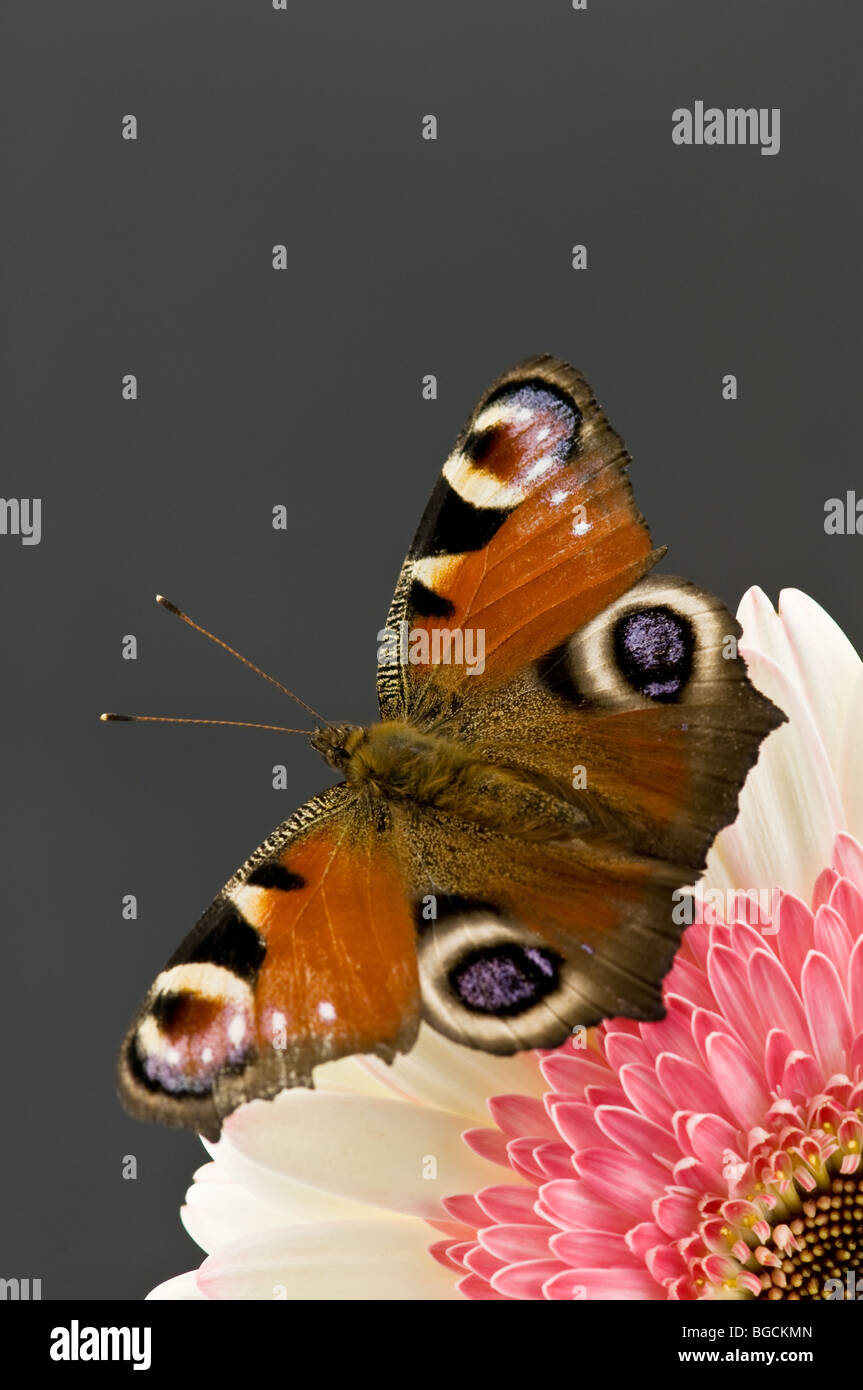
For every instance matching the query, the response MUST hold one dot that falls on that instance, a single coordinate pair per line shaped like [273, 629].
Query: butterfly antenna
[169, 719]
[178, 613]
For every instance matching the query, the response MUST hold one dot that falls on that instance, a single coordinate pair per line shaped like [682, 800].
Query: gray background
[303, 387]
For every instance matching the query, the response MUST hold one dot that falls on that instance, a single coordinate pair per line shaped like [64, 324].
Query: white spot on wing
[237, 1029]
[541, 466]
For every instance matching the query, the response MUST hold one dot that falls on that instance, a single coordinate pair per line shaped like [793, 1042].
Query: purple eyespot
[653, 648]
[504, 980]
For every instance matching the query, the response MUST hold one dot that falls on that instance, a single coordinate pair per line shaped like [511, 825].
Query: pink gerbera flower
[716, 1154]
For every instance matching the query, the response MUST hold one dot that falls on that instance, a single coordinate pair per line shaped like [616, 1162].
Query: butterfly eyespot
[490, 981]
[659, 643]
[200, 1021]
[653, 649]
[504, 980]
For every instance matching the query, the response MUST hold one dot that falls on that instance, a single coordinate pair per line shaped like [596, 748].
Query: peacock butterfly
[499, 857]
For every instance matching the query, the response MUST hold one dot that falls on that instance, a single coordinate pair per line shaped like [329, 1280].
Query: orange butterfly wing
[531, 531]
[306, 955]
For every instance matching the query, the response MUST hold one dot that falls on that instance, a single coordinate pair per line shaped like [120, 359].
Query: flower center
[828, 1232]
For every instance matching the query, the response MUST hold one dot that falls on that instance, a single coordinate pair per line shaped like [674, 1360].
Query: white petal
[762, 628]
[385, 1258]
[354, 1074]
[790, 808]
[825, 664]
[182, 1288]
[851, 760]
[392, 1154]
[219, 1212]
[453, 1077]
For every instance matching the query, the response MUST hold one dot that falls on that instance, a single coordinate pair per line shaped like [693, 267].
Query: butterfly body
[500, 855]
[395, 762]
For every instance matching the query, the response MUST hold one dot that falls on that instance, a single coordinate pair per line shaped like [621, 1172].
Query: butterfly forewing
[306, 955]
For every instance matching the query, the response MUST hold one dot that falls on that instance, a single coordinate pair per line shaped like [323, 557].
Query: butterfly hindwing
[306, 955]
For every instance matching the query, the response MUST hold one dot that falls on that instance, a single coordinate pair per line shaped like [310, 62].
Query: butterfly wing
[614, 692]
[516, 946]
[530, 532]
[307, 954]
[522, 938]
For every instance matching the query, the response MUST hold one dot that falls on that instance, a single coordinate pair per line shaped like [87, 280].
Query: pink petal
[489, 1144]
[566, 1286]
[738, 1079]
[823, 887]
[643, 1090]
[729, 980]
[671, 1034]
[555, 1160]
[619, 1179]
[832, 937]
[827, 1010]
[519, 1115]
[477, 1289]
[796, 928]
[525, 1281]
[571, 1074]
[483, 1262]
[776, 998]
[635, 1133]
[591, 1248]
[573, 1203]
[665, 1263]
[621, 1048]
[513, 1244]
[506, 1203]
[620, 1283]
[744, 937]
[641, 1240]
[439, 1252]
[576, 1123]
[711, 1138]
[776, 1053]
[464, 1208]
[689, 1087]
[690, 982]
[677, 1213]
[848, 858]
[705, 1022]
[847, 900]
[803, 1075]
[855, 985]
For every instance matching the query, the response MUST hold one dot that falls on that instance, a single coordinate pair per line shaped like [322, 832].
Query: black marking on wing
[270, 875]
[425, 603]
[225, 939]
[454, 526]
[448, 905]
